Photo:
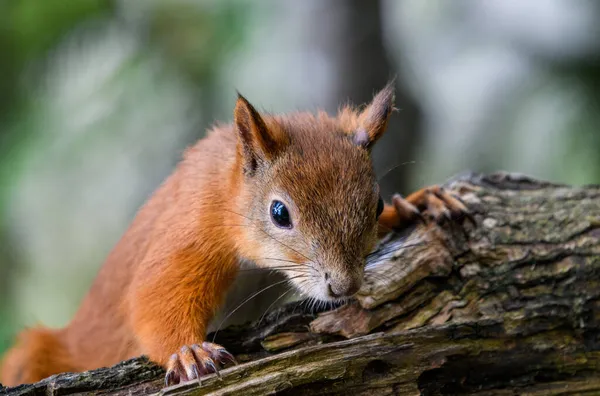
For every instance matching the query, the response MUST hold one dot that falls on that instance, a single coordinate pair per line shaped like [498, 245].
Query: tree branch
[508, 303]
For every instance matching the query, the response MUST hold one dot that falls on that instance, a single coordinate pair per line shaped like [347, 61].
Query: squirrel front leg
[171, 303]
[430, 203]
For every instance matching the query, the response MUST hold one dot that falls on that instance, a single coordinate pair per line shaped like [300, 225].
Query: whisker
[273, 303]
[290, 271]
[312, 306]
[283, 244]
[300, 303]
[293, 266]
[394, 168]
[269, 235]
[274, 269]
[244, 216]
[250, 298]
[276, 259]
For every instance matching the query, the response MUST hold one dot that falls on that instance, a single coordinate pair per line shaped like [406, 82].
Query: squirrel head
[310, 198]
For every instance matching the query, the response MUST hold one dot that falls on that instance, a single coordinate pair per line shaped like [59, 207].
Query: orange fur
[38, 354]
[164, 280]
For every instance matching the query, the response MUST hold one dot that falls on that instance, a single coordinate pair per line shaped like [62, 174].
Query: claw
[192, 362]
[170, 378]
[212, 365]
[431, 204]
[228, 355]
[406, 209]
[195, 373]
[218, 353]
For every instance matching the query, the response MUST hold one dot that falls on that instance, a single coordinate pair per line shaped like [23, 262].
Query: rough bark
[506, 305]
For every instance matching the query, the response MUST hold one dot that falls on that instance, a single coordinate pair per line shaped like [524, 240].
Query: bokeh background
[98, 99]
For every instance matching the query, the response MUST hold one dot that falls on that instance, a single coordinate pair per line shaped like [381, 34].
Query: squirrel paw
[433, 203]
[194, 361]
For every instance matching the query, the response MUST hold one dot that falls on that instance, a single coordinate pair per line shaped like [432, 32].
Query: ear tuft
[361, 138]
[374, 118]
[256, 142]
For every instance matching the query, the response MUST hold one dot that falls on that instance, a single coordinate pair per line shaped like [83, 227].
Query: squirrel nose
[343, 289]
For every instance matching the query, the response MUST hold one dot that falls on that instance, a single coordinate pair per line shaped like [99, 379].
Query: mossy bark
[509, 304]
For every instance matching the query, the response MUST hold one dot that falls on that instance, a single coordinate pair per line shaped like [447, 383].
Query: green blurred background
[99, 98]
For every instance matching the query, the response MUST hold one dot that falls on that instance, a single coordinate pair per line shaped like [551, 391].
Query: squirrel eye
[379, 207]
[280, 215]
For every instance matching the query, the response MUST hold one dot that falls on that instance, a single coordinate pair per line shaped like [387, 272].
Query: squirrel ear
[256, 143]
[374, 118]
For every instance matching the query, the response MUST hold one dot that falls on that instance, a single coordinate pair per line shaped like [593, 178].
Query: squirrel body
[296, 193]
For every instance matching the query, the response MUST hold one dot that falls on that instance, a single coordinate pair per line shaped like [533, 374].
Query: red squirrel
[295, 192]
